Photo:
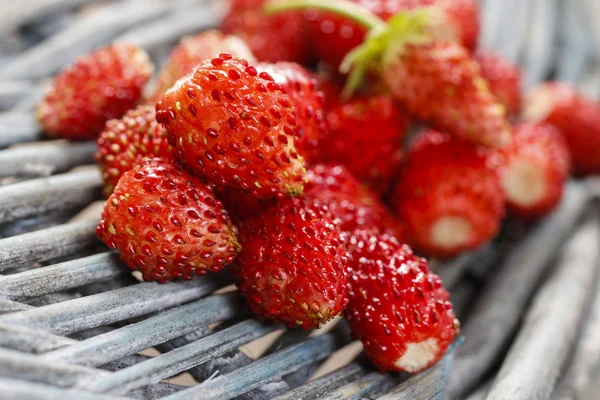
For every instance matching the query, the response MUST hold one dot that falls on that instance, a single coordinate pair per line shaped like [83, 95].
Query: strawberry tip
[450, 232]
[418, 355]
[538, 105]
[524, 182]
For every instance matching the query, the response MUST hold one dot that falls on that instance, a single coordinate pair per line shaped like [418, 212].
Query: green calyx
[382, 41]
[404, 28]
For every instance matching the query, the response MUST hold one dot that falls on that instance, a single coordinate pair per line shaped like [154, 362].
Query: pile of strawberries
[249, 153]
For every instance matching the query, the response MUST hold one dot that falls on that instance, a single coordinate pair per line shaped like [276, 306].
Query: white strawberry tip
[538, 104]
[450, 232]
[418, 355]
[523, 182]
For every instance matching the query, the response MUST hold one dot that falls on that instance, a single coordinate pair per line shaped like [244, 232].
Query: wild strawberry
[126, 141]
[194, 49]
[575, 116]
[335, 36]
[441, 83]
[235, 127]
[97, 87]
[504, 78]
[272, 38]
[308, 101]
[448, 196]
[349, 200]
[292, 267]
[365, 135]
[167, 223]
[536, 167]
[398, 308]
[435, 79]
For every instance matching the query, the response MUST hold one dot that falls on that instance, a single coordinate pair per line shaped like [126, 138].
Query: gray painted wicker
[73, 321]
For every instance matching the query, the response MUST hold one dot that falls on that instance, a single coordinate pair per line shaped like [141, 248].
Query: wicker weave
[73, 321]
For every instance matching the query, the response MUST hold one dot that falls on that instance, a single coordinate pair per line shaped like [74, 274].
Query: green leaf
[404, 28]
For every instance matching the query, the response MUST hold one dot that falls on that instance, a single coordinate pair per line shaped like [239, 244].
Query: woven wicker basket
[75, 325]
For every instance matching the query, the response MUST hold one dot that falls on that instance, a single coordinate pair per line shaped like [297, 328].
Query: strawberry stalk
[417, 56]
[343, 8]
[404, 28]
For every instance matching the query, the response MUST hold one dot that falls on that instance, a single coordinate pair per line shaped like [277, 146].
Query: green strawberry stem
[344, 8]
[383, 42]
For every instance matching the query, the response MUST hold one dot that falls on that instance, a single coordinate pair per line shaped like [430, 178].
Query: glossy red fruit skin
[95, 88]
[167, 223]
[578, 119]
[441, 83]
[300, 86]
[331, 89]
[241, 205]
[191, 51]
[235, 127]
[443, 176]
[365, 135]
[543, 146]
[395, 301]
[349, 200]
[282, 37]
[293, 267]
[335, 36]
[504, 78]
[126, 141]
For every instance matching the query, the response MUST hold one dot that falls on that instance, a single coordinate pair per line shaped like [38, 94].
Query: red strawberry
[537, 165]
[349, 200]
[308, 101]
[167, 223]
[435, 79]
[98, 87]
[575, 116]
[504, 78]
[271, 38]
[365, 135]
[235, 127]
[398, 308]
[335, 36]
[448, 196]
[332, 91]
[441, 83]
[240, 205]
[292, 267]
[125, 141]
[194, 49]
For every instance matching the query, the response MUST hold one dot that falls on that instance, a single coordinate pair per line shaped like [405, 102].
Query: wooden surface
[558, 38]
